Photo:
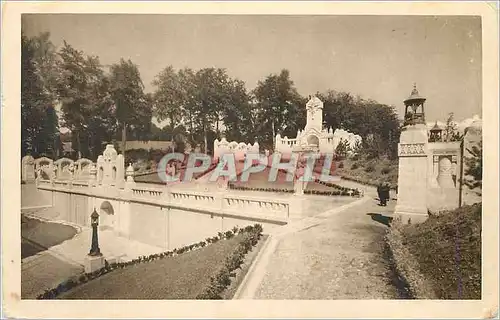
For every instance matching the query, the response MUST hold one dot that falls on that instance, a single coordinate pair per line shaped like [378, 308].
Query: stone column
[93, 176]
[411, 206]
[130, 183]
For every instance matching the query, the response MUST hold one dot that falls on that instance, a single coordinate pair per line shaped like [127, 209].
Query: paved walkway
[48, 265]
[335, 255]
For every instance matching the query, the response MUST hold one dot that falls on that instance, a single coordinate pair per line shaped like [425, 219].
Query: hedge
[340, 191]
[252, 235]
[222, 280]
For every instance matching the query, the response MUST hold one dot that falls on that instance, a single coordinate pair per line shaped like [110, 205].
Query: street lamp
[461, 182]
[94, 249]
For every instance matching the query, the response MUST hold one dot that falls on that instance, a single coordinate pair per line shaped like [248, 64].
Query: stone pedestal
[412, 181]
[297, 206]
[93, 263]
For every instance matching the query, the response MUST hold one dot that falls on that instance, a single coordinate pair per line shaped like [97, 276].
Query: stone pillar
[93, 176]
[54, 174]
[411, 206]
[71, 170]
[120, 171]
[130, 183]
[28, 169]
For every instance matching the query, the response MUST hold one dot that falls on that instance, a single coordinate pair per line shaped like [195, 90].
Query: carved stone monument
[411, 206]
[28, 169]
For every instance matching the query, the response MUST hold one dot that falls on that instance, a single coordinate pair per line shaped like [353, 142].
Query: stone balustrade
[147, 192]
[105, 180]
[216, 202]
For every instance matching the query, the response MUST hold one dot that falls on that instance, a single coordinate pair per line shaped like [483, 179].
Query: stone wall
[148, 224]
[239, 149]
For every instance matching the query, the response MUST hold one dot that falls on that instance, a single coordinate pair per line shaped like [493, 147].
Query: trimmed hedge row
[222, 279]
[232, 186]
[253, 232]
[351, 193]
[340, 191]
[372, 183]
[336, 186]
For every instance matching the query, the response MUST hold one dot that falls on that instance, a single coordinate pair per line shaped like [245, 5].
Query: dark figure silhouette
[380, 194]
[384, 194]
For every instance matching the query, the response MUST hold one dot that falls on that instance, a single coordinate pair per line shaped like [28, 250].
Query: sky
[375, 57]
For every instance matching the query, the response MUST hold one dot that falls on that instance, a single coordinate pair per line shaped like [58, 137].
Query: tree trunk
[79, 143]
[124, 137]
[205, 138]
[274, 134]
[217, 127]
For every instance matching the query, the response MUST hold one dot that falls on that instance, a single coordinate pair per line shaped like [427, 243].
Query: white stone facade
[314, 136]
[429, 172]
[239, 149]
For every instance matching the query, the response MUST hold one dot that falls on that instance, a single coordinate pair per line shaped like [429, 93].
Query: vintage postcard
[249, 159]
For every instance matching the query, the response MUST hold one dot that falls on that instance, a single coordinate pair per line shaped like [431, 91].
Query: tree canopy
[100, 106]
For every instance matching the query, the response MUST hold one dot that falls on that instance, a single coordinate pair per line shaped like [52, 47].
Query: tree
[39, 123]
[86, 104]
[278, 107]
[236, 114]
[131, 106]
[474, 166]
[169, 98]
[212, 94]
[451, 130]
[342, 149]
[376, 123]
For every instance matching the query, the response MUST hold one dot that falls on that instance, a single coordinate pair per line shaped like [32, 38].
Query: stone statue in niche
[445, 179]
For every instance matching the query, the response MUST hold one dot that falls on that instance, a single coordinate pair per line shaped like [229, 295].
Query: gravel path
[338, 257]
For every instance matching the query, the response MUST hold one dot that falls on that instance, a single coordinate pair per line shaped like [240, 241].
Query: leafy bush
[385, 170]
[354, 166]
[341, 165]
[370, 168]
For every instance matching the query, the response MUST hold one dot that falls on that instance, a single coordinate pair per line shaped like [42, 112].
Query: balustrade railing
[212, 201]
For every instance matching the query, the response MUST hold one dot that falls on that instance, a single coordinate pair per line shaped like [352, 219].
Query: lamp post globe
[94, 221]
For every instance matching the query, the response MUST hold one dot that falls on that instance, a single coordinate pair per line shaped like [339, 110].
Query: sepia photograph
[220, 156]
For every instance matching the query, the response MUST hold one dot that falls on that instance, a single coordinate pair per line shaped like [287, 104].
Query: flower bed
[249, 237]
[340, 191]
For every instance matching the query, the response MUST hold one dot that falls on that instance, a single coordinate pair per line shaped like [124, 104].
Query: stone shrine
[411, 206]
[314, 137]
[429, 176]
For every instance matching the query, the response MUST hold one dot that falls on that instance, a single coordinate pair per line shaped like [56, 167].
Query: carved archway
[313, 140]
[107, 216]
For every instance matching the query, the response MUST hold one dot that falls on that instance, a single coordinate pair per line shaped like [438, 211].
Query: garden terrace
[203, 270]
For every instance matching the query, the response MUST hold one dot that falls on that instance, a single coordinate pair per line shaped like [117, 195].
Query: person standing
[379, 192]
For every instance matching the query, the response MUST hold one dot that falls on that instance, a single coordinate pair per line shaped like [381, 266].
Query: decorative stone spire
[93, 174]
[130, 173]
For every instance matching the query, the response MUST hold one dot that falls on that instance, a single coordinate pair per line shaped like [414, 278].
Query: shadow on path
[380, 218]
[37, 236]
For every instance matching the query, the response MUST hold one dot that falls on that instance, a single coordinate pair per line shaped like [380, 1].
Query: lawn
[371, 172]
[179, 277]
[448, 251]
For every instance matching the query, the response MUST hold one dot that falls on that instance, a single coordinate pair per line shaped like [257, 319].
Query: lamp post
[94, 249]
[461, 182]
